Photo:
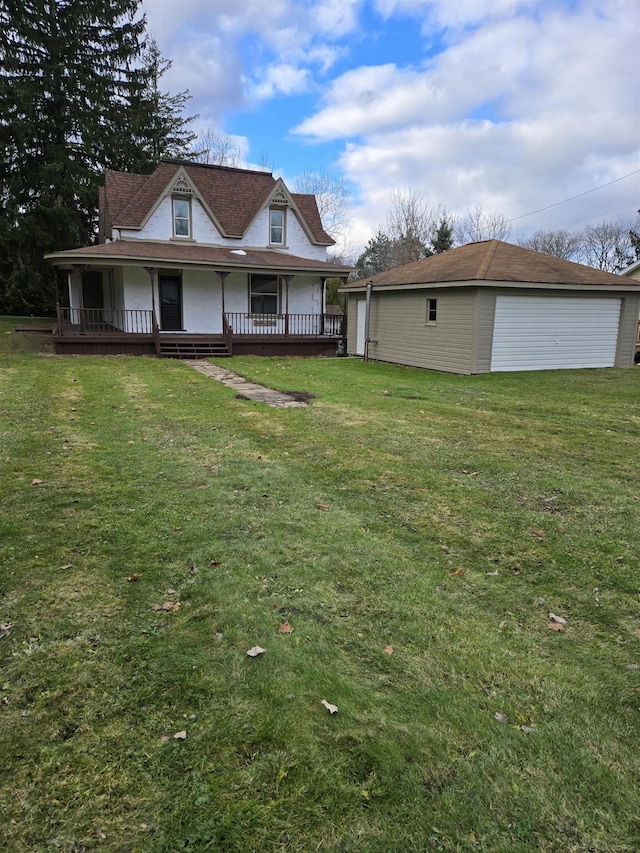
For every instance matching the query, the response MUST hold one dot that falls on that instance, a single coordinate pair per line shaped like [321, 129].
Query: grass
[461, 511]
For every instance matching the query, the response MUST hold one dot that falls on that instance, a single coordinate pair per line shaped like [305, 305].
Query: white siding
[552, 332]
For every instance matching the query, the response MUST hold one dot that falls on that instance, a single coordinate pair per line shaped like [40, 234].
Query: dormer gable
[303, 207]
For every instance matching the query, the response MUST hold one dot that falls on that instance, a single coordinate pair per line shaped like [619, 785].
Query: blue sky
[511, 104]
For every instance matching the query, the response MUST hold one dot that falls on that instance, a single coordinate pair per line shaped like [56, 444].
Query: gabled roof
[234, 197]
[149, 252]
[492, 261]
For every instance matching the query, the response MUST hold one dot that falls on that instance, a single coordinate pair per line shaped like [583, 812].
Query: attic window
[181, 217]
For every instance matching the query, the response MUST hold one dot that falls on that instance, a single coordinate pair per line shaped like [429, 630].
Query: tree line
[416, 228]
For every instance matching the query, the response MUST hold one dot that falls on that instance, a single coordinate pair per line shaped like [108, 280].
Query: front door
[170, 287]
[92, 289]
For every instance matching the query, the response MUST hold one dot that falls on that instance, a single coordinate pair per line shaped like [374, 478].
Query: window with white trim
[432, 312]
[276, 226]
[181, 217]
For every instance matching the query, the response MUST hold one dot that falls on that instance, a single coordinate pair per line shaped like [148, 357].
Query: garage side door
[548, 333]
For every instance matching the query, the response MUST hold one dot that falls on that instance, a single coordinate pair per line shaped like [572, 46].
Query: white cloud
[517, 114]
[280, 80]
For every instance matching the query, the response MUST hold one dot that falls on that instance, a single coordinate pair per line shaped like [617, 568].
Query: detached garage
[491, 306]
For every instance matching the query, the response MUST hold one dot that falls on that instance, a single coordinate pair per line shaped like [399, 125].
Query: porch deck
[94, 331]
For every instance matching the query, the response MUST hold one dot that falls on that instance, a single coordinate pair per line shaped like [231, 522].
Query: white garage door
[550, 332]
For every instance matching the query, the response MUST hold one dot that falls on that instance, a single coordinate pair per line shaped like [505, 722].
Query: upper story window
[181, 217]
[276, 226]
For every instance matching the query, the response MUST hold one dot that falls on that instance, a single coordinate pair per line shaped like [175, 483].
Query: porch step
[193, 349]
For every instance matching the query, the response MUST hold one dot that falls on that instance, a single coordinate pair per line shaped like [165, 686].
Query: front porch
[100, 331]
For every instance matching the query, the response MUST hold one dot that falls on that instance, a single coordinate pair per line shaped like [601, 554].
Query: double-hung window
[432, 312]
[276, 226]
[181, 217]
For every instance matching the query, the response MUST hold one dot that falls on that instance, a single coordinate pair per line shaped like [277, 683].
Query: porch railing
[101, 321]
[315, 325]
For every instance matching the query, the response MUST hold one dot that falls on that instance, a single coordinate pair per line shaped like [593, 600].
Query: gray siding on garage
[628, 330]
[352, 321]
[398, 325]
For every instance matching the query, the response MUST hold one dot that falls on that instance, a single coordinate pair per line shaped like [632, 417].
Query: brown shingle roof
[492, 260]
[154, 253]
[234, 196]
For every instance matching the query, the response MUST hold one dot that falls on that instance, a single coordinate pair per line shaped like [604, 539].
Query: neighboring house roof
[234, 197]
[632, 271]
[123, 252]
[488, 262]
[334, 309]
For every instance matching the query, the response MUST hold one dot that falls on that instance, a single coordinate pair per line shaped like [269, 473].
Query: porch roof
[148, 252]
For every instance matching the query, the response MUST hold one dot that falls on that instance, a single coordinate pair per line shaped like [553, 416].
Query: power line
[522, 215]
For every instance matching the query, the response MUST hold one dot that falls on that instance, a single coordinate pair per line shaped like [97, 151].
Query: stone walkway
[249, 390]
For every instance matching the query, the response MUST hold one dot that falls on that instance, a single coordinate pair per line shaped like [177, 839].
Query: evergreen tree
[75, 99]
[443, 238]
[378, 256]
[157, 126]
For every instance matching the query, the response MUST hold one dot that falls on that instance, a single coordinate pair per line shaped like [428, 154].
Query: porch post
[222, 276]
[155, 329]
[286, 279]
[323, 305]
[75, 281]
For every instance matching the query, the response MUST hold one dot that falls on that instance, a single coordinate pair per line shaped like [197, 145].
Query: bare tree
[412, 225]
[216, 149]
[607, 245]
[478, 224]
[332, 195]
[561, 243]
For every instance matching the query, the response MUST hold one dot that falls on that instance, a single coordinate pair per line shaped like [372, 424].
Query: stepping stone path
[248, 390]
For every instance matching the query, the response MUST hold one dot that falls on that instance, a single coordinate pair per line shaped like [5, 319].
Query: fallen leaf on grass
[555, 626]
[444, 548]
[255, 651]
[171, 606]
[539, 534]
[457, 572]
[201, 487]
[528, 730]
[559, 619]
[169, 592]
[37, 482]
[133, 578]
[500, 717]
[5, 630]
[388, 650]
[324, 507]
[285, 628]
[66, 566]
[180, 735]
[631, 666]
[470, 473]
[214, 564]
[332, 709]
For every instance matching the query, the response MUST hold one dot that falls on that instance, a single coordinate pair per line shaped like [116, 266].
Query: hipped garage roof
[493, 261]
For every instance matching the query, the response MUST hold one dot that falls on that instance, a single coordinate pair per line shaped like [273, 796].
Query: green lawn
[439, 518]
